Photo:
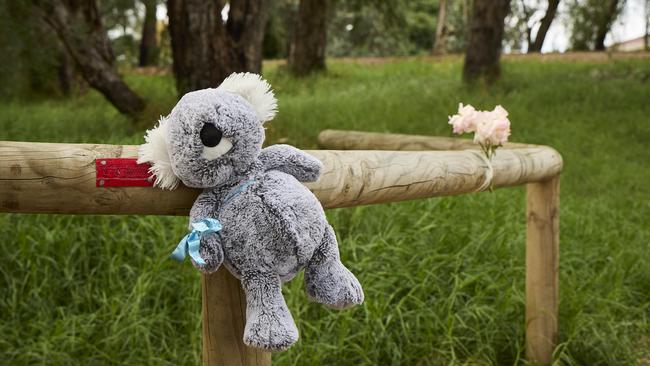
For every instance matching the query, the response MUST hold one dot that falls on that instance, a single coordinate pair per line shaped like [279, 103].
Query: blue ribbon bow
[192, 241]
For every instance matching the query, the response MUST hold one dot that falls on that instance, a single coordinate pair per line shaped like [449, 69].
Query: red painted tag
[122, 172]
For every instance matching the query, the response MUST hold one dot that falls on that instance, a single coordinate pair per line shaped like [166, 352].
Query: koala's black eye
[210, 135]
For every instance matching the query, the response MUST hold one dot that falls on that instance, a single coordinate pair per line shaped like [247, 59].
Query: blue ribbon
[237, 190]
[191, 242]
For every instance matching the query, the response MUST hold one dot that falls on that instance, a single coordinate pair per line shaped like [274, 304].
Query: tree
[440, 45]
[544, 25]
[206, 48]
[123, 19]
[149, 39]
[382, 27]
[519, 24]
[277, 39]
[79, 27]
[307, 50]
[485, 37]
[39, 63]
[591, 21]
[525, 17]
[457, 22]
[605, 22]
[65, 71]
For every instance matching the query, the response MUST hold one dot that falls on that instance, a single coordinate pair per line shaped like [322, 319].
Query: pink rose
[499, 113]
[466, 119]
[493, 127]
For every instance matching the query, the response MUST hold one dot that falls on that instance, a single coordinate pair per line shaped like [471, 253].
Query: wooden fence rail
[60, 178]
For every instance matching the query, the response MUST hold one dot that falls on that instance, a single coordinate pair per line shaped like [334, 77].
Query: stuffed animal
[253, 216]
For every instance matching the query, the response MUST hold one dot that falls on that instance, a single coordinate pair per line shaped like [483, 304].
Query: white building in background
[632, 45]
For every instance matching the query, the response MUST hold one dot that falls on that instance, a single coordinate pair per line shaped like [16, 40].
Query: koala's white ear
[255, 90]
[155, 152]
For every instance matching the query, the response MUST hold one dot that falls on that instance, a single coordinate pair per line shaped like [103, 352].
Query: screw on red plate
[122, 172]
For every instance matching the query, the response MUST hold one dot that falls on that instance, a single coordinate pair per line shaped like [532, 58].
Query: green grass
[444, 278]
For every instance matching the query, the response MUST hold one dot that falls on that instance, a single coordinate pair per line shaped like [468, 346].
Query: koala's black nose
[210, 135]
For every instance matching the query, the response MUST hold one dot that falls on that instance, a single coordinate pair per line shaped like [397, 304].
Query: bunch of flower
[491, 128]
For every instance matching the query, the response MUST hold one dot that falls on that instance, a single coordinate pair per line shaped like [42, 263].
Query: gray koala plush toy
[253, 216]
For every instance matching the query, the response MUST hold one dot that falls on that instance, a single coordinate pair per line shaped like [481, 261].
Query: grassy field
[444, 278]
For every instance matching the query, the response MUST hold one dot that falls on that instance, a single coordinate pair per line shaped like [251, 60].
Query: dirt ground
[566, 57]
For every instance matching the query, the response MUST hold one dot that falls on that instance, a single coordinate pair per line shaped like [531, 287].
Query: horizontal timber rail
[357, 140]
[60, 178]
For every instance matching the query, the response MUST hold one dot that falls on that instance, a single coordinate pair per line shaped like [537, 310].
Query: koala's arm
[206, 206]
[291, 160]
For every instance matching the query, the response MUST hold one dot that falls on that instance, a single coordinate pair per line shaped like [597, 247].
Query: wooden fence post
[542, 269]
[224, 316]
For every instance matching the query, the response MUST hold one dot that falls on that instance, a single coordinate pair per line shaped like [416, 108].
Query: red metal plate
[122, 172]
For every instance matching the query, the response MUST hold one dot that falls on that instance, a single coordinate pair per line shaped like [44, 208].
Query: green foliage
[373, 27]
[277, 35]
[117, 13]
[123, 20]
[518, 24]
[458, 17]
[376, 28]
[30, 50]
[444, 278]
[586, 17]
[126, 50]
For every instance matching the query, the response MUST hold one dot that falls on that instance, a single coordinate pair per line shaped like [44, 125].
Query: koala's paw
[271, 331]
[211, 252]
[311, 169]
[332, 284]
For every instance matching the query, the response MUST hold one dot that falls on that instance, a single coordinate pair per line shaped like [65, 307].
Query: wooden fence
[60, 179]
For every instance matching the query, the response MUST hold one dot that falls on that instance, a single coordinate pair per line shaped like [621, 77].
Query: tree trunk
[440, 44]
[205, 49]
[307, 50]
[485, 37]
[149, 41]
[65, 71]
[79, 27]
[528, 13]
[604, 24]
[544, 26]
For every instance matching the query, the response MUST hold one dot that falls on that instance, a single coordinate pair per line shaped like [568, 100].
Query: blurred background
[444, 277]
[63, 47]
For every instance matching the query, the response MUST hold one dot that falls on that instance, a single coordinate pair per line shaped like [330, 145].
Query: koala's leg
[211, 252]
[327, 280]
[269, 324]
